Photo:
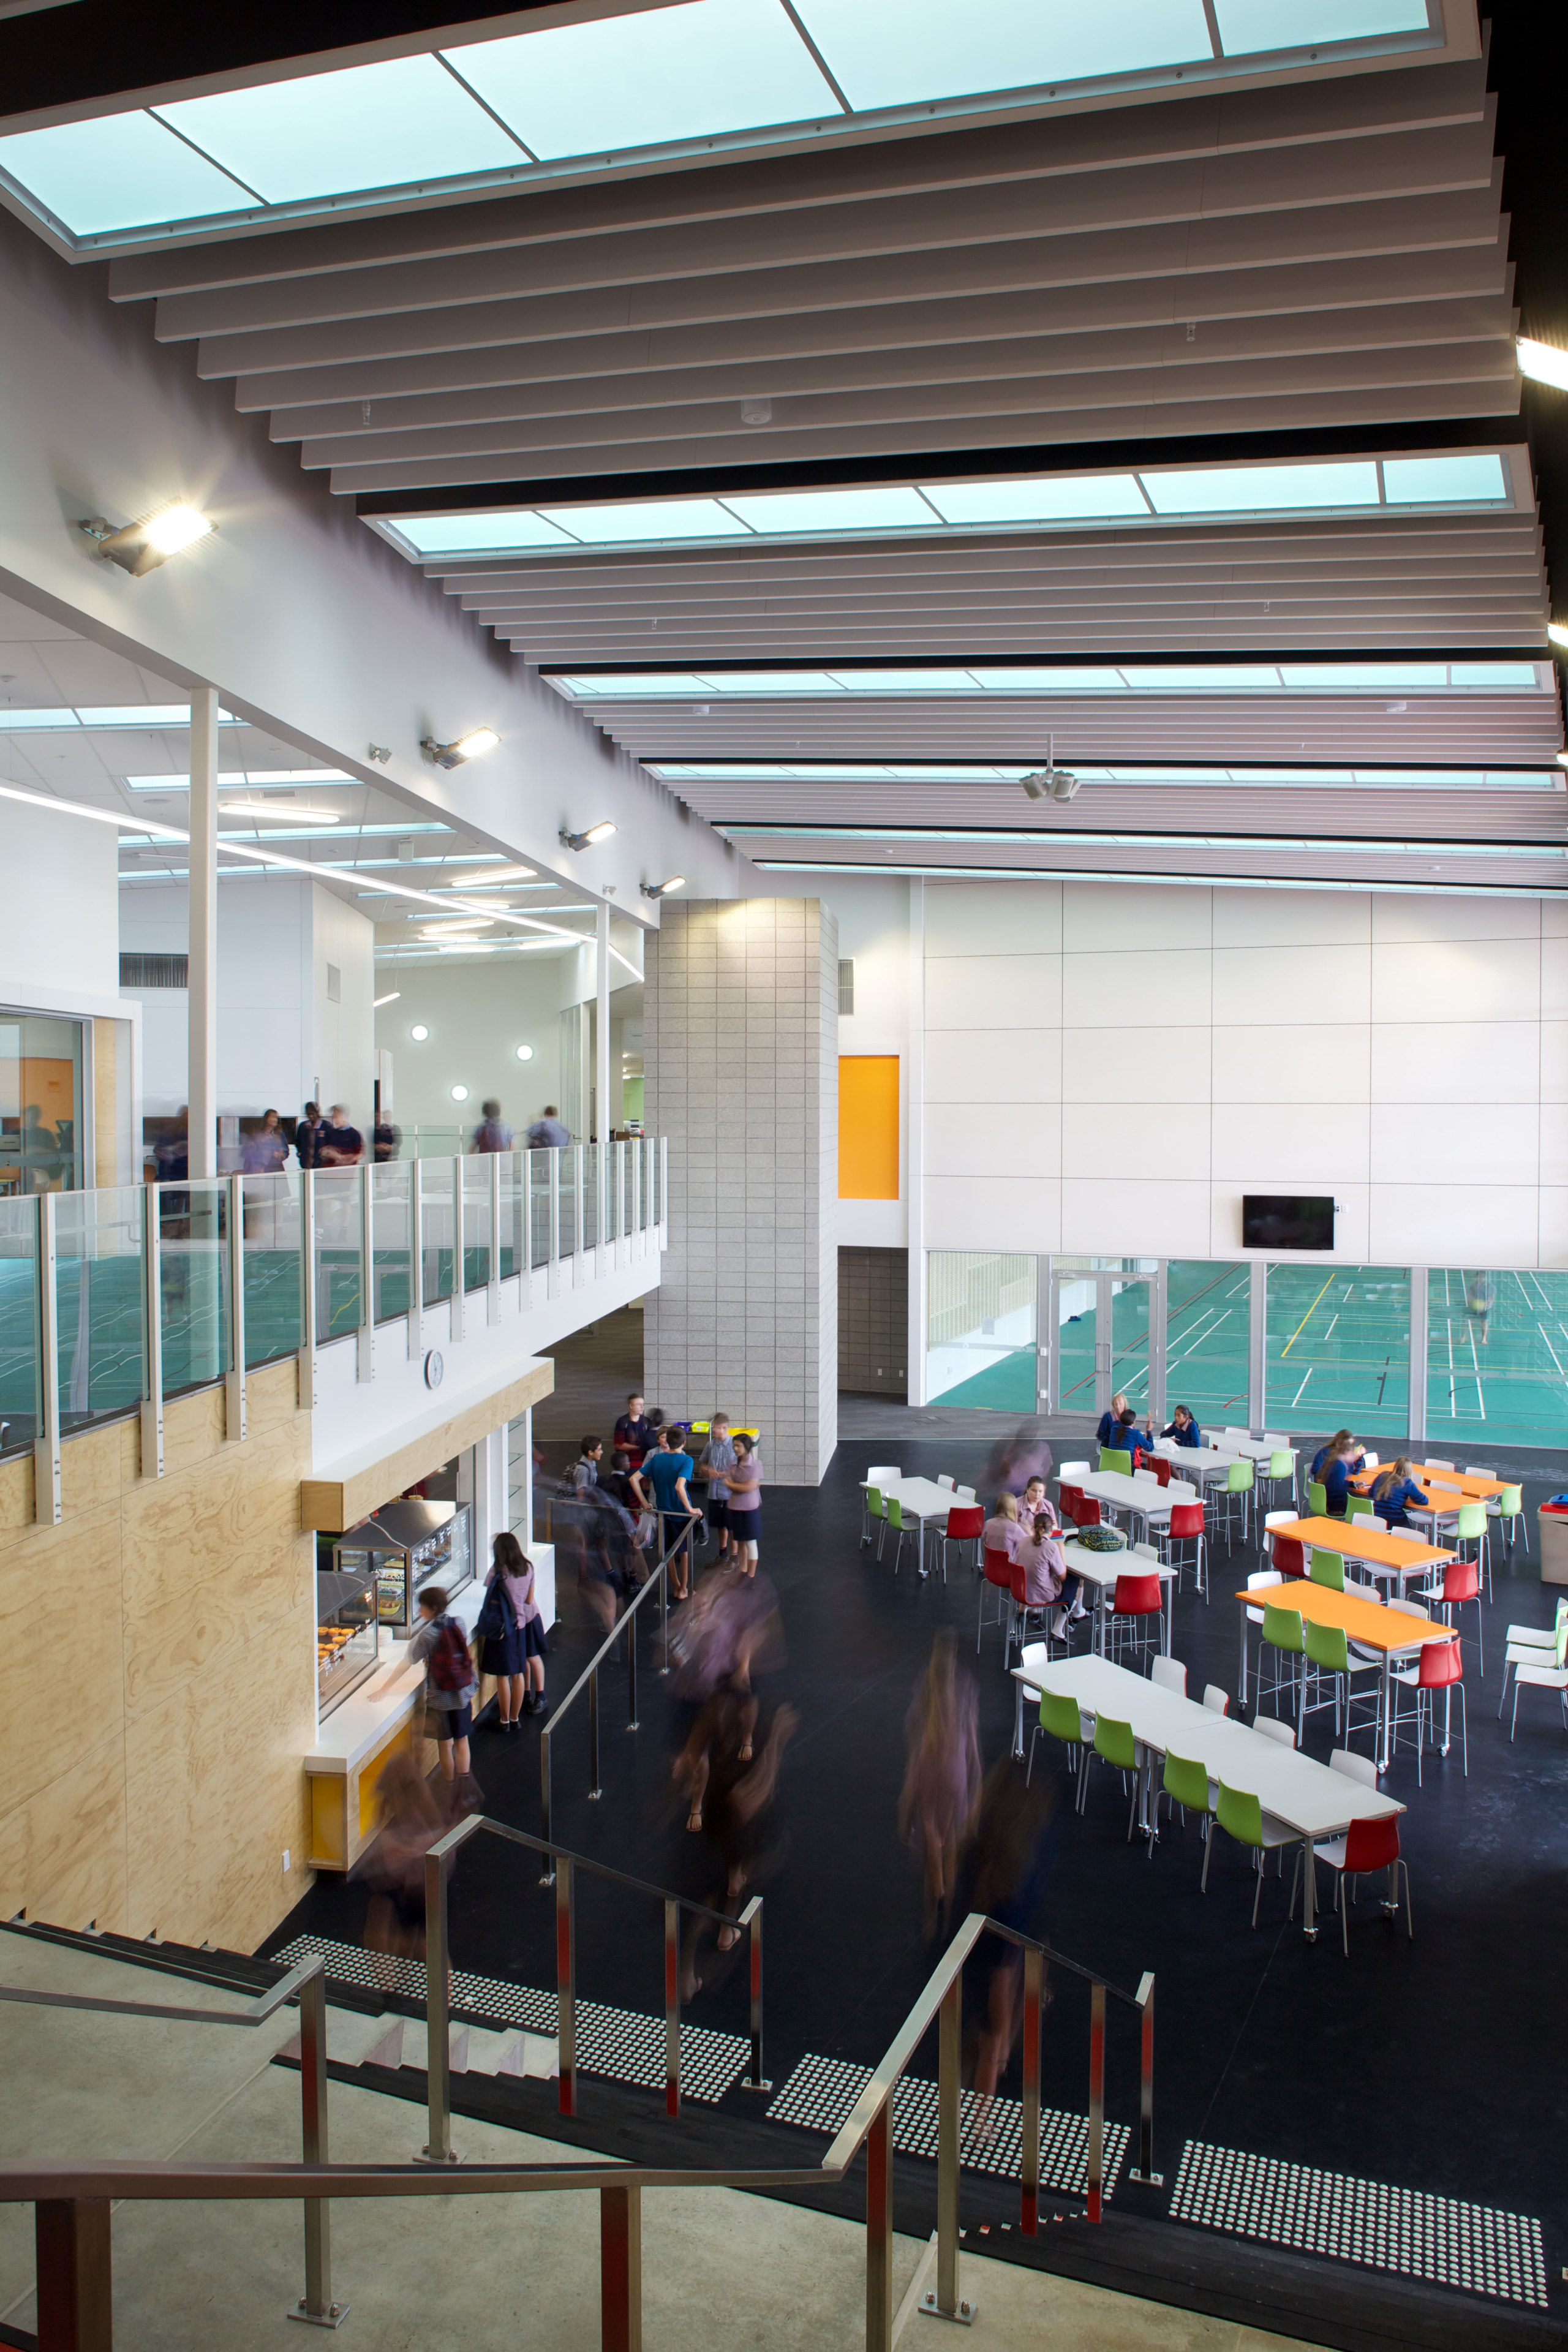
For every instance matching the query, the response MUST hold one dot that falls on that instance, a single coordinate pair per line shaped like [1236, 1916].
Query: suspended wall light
[142, 547]
[472, 746]
[589, 840]
[658, 889]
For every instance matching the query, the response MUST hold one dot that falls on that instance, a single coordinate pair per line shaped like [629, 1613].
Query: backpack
[450, 1666]
[498, 1618]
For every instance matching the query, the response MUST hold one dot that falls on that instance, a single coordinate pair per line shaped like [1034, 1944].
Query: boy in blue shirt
[666, 1473]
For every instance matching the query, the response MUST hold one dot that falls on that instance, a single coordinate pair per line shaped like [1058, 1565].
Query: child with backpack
[449, 1681]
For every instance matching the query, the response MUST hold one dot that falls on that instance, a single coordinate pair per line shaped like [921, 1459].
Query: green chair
[1317, 1500]
[1328, 1653]
[1360, 1506]
[1473, 1527]
[1508, 1510]
[1114, 1744]
[1283, 1635]
[1279, 1470]
[1240, 1815]
[895, 1521]
[1117, 1458]
[1239, 1480]
[875, 1509]
[1327, 1569]
[1186, 1784]
[1060, 1718]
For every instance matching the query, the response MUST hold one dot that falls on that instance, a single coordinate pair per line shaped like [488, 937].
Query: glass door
[1106, 1334]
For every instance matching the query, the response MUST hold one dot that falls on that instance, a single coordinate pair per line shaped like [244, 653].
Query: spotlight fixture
[591, 839]
[1059, 784]
[1542, 363]
[388, 999]
[379, 752]
[657, 889]
[756, 412]
[472, 746]
[1558, 633]
[525, 1052]
[142, 546]
[459, 1094]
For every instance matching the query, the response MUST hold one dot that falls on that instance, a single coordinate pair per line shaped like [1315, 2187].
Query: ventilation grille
[334, 983]
[845, 983]
[154, 971]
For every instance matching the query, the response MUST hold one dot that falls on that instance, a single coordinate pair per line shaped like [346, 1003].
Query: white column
[202, 1048]
[602, 1064]
[914, 1145]
[1257, 1336]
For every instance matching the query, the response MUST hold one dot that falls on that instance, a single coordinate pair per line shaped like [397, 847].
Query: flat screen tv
[1286, 1221]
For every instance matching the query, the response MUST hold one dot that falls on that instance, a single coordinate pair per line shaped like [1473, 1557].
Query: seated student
[1047, 1577]
[1004, 1530]
[1183, 1428]
[1332, 1466]
[1110, 1422]
[1392, 1492]
[1130, 1437]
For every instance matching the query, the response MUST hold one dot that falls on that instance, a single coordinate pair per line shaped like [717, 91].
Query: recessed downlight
[419, 1033]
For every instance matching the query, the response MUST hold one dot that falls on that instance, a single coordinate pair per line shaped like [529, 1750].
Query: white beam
[201, 1002]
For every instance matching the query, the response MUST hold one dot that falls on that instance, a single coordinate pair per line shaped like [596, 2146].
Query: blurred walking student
[941, 1776]
[585, 1469]
[1002, 1874]
[450, 1681]
[408, 1822]
[739, 1788]
[717, 1457]
[492, 1133]
[744, 1506]
[512, 1627]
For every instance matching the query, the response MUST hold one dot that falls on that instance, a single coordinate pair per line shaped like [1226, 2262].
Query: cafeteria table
[1200, 1462]
[1125, 1493]
[1375, 1626]
[1470, 1484]
[1302, 1795]
[1382, 1552]
[1100, 1570]
[919, 1499]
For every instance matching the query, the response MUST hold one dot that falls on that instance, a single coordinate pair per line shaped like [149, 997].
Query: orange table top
[1367, 1622]
[1474, 1490]
[1346, 1538]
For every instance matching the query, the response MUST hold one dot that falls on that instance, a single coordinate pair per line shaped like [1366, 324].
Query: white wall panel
[998, 991]
[1455, 979]
[1553, 1225]
[1553, 1060]
[992, 917]
[1291, 986]
[1285, 1064]
[1135, 1138]
[1456, 1062]
[1015, 1213]
[1448, 1143]
[1296, 919]
[1175, 1069]
[1157, 988]
[1153, 1216]
[1007, 1138]
[1554, 979]
[993, 1066]
[1278, 1147]
[1418, 920]
[1101, 915]
[1553, 1143]
[1449, 1224]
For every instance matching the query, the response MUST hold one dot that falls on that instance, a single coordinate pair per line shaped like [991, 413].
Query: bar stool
[875, 1511]
[1283, 1635]
[1508, 1510]
[1163, 1467]
[1438, 1667]
[1473, 1527]
[1328, 1655]
[998, 1569]
[896, 1521]
[1239, 1482]
[1461, 1583]
[1279, 1471]
[965, 1524]
[1135, 1611]
[1289, 1555]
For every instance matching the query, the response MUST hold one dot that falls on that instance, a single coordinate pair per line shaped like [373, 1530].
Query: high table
[1200, 1462]
[1128, 1494]
[1380, 1553]
[1388, 1631]
[1304, 1796]
[1100, 1570]
[1471, 1485]
[919, 1499]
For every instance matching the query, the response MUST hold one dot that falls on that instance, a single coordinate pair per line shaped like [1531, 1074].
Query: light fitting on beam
[380, 752]
[657, 889]
[589, 840]
[1059, 783]
[142, 547]
[1542, 363]
[1558, 633]
[472, 746]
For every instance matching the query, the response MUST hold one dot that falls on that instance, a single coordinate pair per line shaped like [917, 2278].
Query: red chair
[965, 1524]
[1461, 1583]
[1161, 1466]
[1070, 1499]
[1083, 1510]
[1134, 1603]
[1289, 1556]
[1367, 1846]
[998, 1574]
[1438, 1667]
[1187, 1527]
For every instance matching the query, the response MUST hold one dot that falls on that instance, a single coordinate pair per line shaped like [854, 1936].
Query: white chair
[1354, 1768]
[1071, 1470]
[964, 1494]
[1215, 1698]
[1433, 1463]
[1272, 1728]
[883, 1474]
[1531, 1645]
[946, 1483]
[1170, 1674]
[1539, 1678]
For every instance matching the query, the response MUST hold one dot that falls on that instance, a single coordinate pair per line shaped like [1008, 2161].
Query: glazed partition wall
[114, 1301]
[1469, 1354]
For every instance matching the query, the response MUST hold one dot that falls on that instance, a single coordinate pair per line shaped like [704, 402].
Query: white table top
[923, 1499]
[1204, 1461]
[1254, 1449]
[1131, 1494]
[1103, 1568]
[1299, 1793]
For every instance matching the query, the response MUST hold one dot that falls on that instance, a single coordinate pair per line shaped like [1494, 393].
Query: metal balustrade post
[671, 2005]
[455, 1321]
[438, 1997]
[579, 1252]
[153, 1340]
[415, 1262]
[1145, 2167]
[620, 1198]
[594, 1790]
[1029, 2149]
[364, 1363]
[943, 2298]
[547, 1876]
[1094, 2166]
[307, 1288]
[751, 1919]
[46, 1441]
[632, 1724]
[552, 1278]
[879, 2229]
[492, 1287]
[317, 2309]
[233, 1379]
[620, 2270]
[71, 2238]
[566, 1984]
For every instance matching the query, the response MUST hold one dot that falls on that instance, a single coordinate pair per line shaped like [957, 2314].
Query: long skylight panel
[376, 126]
[1249, 489]
[685, 72]
[887, 507]
[117, 173]
[1420, 481]
[896, 52]
[1084, 498]
[1293, 24]
[670, 518]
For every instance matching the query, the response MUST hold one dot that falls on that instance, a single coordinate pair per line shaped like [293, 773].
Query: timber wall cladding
[156, 1663]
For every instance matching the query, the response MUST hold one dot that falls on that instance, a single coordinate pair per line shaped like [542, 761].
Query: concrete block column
[740, 1051]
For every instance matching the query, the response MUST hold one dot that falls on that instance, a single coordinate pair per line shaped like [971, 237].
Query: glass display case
[404, 1546]
[348, 1634]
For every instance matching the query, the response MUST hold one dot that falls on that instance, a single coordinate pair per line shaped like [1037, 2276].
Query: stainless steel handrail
[307, 1983]
[658, 1579]
[437, 2147]
[73, 2202]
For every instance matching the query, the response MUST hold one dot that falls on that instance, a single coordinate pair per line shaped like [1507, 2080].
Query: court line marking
[1302, 1324]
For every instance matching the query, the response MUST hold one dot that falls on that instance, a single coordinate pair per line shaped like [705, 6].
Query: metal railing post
[1145, 2170]
[307, 1288]
[752, 1920]
[663, 1597]
[492, 1287]
[364, 1366]
[153, 1329]
[663, 1216]
[632, 1724]
[1029, 2149]
[455, 1321]
[1095, 2154]
[672, 2005]
[620, 2270]
[620, 1197]
[553, 1279]
[438, 1998]
[879, 2229]
[317, 2308]
[415, 1262]
[234, 1379]
[74, 2272]
[46, 1442]
[547, 1876]
[579, 1157]
[594, 1790]
[567, 1985]
[944, 2300]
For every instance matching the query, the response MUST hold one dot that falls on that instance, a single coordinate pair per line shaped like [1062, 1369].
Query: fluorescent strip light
[392, 998]
[279, 812]
[115, 717]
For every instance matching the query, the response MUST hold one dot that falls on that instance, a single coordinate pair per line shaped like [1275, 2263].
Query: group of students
[1028, 1530]
[1392, 1491]
[1119, 1428]
[647, 1483]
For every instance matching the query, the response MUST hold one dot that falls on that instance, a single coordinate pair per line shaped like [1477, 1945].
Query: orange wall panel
[868, 1127]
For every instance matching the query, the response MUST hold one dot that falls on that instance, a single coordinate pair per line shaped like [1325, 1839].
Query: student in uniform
[1183, 1428]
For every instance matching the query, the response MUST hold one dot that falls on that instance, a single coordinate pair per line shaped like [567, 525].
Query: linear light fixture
[389, 999]
[589, 840]
[658, 889]
[279, 811]
[142, 547]
[472, 746]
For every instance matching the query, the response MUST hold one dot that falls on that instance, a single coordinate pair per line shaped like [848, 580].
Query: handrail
[256, 2012]
[73, 2202]
[658, 1579]
[437, 2148]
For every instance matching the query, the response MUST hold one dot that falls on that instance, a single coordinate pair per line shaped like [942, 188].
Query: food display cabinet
[348, 1634]
[404, 1547]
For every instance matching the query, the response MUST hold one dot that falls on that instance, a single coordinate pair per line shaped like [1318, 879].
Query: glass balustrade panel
[100, 1295]
[18, 1321]
[193, 1284]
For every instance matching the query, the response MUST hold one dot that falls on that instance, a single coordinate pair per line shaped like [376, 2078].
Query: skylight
[1342, 677]
[1461, 481]
[130, 714]
[697, 77]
